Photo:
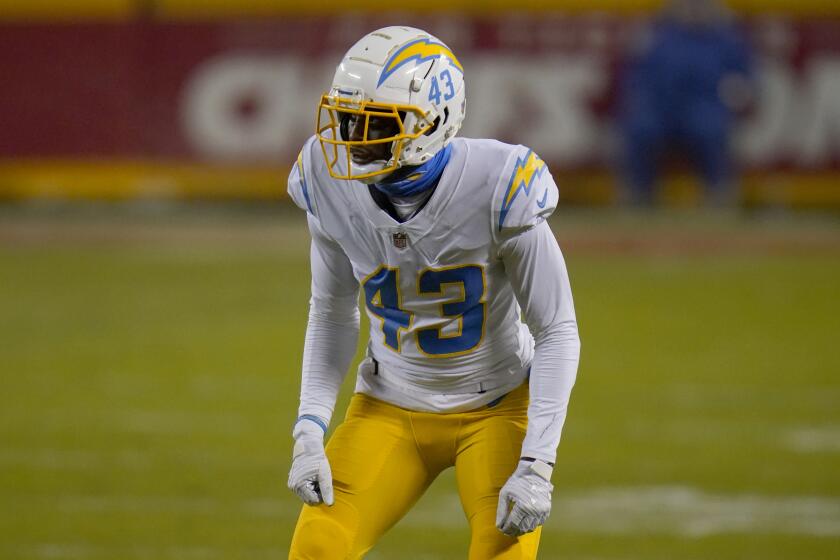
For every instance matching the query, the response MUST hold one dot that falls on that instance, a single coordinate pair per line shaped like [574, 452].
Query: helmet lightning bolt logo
[420, 50]
[527, 170]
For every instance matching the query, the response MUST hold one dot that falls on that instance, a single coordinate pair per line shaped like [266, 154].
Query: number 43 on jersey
[384, 300]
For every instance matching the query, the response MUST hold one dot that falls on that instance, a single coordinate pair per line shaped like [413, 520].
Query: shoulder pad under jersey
[300, 184]
[526, 194]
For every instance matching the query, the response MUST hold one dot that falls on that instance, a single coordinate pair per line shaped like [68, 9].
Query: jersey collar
[424, 221]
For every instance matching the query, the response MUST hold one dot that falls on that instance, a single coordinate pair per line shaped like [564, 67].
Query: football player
[447, 240]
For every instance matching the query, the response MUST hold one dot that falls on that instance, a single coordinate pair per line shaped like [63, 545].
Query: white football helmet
[399, 73]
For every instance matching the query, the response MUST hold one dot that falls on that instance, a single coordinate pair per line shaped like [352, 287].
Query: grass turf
[148, 389]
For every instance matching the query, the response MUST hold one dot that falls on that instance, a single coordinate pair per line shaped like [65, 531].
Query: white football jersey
[443, 316]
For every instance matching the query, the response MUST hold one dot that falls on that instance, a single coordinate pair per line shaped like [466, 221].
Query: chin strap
[418, 179]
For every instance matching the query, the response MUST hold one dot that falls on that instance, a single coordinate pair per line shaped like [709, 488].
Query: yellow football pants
[384, 457]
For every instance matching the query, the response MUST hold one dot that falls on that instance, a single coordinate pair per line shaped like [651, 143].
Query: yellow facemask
[333, 110]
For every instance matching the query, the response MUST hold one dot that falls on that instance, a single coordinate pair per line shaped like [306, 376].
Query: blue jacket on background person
[679, 94]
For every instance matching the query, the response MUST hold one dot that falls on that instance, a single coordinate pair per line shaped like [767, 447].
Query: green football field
[149, 365]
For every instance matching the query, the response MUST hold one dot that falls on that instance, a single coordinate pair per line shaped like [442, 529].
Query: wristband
[312, 418]
[532, 459]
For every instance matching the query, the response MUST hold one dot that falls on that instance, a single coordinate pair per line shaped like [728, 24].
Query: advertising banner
[242, 94]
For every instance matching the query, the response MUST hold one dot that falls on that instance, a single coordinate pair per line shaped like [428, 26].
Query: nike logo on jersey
[541, 202]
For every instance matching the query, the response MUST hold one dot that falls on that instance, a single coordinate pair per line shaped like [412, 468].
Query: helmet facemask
[340, 120]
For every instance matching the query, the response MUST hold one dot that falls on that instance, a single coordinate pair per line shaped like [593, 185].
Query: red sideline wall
[242, 94]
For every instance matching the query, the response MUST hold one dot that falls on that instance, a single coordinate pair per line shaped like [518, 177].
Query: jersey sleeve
[539, 278]
[525, 196]
[300, 184]
[333, 327]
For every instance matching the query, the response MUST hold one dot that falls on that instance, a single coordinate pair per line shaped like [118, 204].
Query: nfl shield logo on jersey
[400, 240]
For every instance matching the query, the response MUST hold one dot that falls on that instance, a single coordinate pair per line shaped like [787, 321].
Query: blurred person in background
[689, 76]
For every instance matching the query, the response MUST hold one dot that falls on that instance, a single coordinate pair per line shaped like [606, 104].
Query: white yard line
[176, 422]
[661, 510]
[132, 459]
[144, 421]
[665, 510]
[813, 439]
[691, 512]
[72, 551]
[270, 508]
[701, 395]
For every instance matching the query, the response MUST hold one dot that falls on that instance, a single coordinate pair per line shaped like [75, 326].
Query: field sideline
[149, 364]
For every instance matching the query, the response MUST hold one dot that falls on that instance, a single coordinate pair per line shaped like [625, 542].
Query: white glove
[525, 499]
[310, 476]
